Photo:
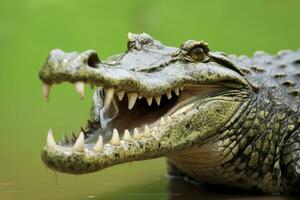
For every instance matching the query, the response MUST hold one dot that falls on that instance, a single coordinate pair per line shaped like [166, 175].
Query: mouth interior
[142, 114]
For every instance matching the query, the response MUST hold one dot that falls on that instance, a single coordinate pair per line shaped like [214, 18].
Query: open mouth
[120, 115]
[123, 123]
[151, 101]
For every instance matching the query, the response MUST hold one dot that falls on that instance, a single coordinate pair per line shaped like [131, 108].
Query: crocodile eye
[192, 50]
[197, 53]
[130, 44]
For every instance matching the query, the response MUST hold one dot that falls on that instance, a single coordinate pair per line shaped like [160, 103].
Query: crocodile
[218, 119]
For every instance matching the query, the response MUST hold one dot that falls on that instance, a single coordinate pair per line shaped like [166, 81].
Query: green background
[29, 29]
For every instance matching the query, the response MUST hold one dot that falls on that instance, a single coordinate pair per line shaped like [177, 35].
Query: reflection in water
[133, 188]
[180, 189]
[162, 188]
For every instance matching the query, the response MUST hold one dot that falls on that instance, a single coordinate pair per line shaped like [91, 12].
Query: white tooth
[176, 91]
[79, 144]
[181, 88]
[46, 90]
[126, 135]
[162, 121]
[146, 132]
[136, 134]
[140, 97]
[157, 99]
[50, 139]
[131, 99]
[169, 118]
[79, 87]
[109, 93]
[99, 144]
[149, 100]
[120, 95]
[124, 144]
[115, 139]
[169, 94]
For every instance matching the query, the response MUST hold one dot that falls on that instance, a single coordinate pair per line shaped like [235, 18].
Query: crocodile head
[151, 101]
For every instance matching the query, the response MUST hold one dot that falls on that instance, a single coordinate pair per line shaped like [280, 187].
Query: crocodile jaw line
[130, 142]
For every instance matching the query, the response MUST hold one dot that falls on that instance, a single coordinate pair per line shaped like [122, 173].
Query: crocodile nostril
[93, 60]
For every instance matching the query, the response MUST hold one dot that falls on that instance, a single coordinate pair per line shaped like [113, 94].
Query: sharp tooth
[131, 99]
[162, 121]
[46, 90]
[176, 91]
[181, 88]
[146, 132]
[115, 139]
[169, 94]
[149, 100]
[79, 87]
[99, 144]
[136, 134]
[157, 99]
[79, 144]
[50, 139]
[109, 93]
[120, 95]
[126, 135]
[140, 97]
[169, 118]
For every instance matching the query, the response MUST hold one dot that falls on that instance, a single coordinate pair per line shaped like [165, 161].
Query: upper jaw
[164, 77]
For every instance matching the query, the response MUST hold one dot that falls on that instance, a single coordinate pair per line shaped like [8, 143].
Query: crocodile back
[278, 72]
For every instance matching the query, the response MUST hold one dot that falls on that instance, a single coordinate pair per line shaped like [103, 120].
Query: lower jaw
[67, 159]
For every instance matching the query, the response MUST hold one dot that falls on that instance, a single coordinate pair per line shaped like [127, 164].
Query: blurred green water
[29, 29]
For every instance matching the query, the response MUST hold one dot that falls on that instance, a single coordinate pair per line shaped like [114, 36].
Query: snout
[61, 66]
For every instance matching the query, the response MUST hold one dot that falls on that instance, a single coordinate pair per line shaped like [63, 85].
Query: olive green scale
[279, 71]
[260, 149]
[265, 139]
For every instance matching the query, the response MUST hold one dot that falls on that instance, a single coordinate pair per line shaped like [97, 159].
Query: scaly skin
[235, 123]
